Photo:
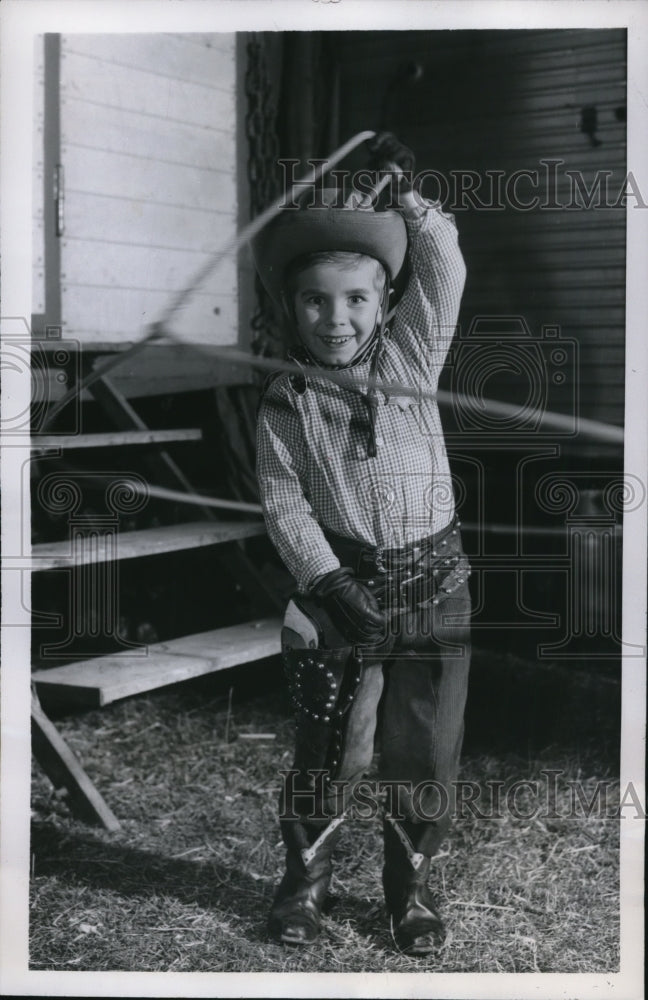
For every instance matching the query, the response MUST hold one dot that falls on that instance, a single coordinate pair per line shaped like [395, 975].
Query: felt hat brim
[296, 232]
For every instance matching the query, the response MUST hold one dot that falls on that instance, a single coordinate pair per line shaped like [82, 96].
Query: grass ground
[185, 885]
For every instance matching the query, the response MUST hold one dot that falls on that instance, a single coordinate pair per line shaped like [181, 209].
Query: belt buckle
[378, 559]
[408, 582]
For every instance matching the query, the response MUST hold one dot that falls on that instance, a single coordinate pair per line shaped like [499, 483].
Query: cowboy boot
[296, 912]
[416, 924]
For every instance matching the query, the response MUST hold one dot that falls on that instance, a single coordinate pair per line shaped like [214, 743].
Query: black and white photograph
[324, 492]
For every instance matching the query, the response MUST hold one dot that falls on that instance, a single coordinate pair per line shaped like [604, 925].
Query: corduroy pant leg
[423, 722]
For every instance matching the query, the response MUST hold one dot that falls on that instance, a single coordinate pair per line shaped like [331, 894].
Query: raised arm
[426, 317]
[427, 314]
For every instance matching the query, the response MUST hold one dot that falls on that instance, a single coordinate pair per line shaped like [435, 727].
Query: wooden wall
[504, 101]
[147, 136]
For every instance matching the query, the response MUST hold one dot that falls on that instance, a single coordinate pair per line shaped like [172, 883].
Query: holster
[323, 674]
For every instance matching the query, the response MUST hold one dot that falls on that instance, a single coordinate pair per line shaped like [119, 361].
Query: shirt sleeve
[426, 317]
[290, 520]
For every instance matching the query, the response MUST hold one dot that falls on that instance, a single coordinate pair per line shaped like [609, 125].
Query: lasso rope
[159, 331]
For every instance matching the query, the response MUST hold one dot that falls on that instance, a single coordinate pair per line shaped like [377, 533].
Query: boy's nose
[337, 314]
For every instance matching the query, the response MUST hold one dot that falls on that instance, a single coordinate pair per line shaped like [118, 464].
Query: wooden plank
[146, 542]
[536, 47]
[215, 40]
[97, 682]
[164, 468]
[187, 379]
[528, 275]
[94, 313]
[123, 204]
[116, 129]
[51, 164]
[553, 249]
[157, 269]
[485, 120]
[114, 220]
[64, 770]
[137, 382]
[554, 224]
[38, 190]
[115, 439]
[567, 144]
[102, 84]
[577, 159]
[168, 54]
[122, 175]
[533, 91]
[555, 299]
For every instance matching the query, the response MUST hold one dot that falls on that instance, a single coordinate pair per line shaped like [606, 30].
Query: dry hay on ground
[186, 883]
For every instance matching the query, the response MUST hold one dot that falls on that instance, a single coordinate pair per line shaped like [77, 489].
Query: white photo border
[20, 22]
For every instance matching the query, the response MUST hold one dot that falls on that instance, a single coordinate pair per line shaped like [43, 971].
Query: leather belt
[366, 561]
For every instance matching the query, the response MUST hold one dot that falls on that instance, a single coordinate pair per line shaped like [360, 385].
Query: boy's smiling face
[337, 306]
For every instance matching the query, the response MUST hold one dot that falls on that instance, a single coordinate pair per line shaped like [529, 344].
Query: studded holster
[323, 674]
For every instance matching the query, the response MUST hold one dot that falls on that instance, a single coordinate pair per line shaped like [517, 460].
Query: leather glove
[352, 607]
[386, 151]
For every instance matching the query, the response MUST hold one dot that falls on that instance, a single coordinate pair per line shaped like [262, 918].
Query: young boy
[358, 500]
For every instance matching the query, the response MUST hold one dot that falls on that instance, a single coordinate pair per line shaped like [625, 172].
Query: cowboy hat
[325, 225]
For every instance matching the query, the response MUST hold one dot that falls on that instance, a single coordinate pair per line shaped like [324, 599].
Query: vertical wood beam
[51, 160]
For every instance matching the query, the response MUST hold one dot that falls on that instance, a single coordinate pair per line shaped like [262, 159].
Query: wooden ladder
[92, 683]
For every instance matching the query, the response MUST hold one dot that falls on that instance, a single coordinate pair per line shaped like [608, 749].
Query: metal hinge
[59, 199]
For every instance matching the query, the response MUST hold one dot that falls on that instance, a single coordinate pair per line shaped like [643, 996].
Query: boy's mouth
[335, 341]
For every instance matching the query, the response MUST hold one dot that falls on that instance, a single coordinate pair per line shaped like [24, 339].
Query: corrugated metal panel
[148, 145]
[503, 101]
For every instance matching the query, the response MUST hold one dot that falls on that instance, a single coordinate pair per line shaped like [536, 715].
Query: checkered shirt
[312, 463]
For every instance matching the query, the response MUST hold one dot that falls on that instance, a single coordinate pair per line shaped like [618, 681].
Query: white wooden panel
[104, 315]
[116, 130]
[114, 266]
[219, 41]
[38, 229]
[149, 150]
[103, 83]
[143, 224]
[176, 56]
[121, 175]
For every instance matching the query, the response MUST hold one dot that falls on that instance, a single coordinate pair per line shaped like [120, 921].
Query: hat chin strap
[371, 396]
[371, 349]
[362, 353]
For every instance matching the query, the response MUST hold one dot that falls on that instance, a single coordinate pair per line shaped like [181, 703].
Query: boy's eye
[355, 299]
